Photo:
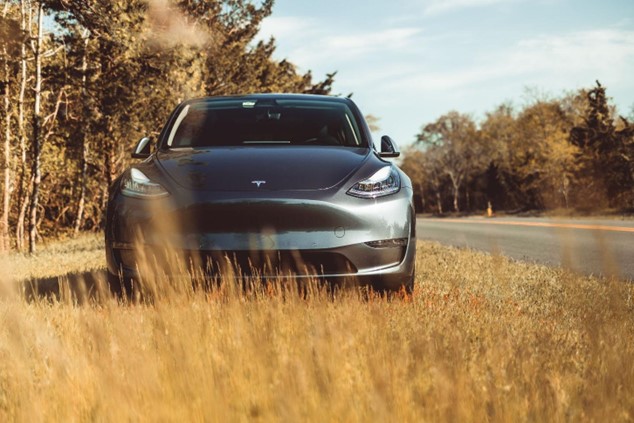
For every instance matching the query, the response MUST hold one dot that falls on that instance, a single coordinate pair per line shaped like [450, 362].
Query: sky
[410, 61]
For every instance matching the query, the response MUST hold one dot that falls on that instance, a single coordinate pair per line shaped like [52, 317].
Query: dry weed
[482, 339]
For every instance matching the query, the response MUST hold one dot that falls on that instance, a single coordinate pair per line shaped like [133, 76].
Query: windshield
[273, 122]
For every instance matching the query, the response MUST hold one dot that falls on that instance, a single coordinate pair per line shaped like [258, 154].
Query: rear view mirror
[142, 149]
[389, 147]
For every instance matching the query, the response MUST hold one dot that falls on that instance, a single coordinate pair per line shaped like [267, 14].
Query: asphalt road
[587, 246]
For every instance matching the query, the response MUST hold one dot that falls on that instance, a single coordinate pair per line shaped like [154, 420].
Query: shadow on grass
[76, 287]
[82, 288]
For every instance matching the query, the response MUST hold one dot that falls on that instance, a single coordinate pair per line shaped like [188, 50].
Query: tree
[454, 142]
[499, 133]
[10, 34]
[606, 150]
[547, 164]
[532, 163]
[24, 178]
[553, 152]
[73, 101]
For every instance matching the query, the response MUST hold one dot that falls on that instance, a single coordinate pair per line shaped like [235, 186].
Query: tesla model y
[278, 184]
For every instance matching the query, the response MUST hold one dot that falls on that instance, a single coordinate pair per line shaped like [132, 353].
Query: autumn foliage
[554, 153]
[82, 80]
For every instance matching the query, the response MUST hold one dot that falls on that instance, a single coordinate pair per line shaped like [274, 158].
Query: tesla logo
[258, 183]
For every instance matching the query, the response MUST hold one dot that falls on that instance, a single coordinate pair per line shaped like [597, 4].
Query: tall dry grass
[482, 339]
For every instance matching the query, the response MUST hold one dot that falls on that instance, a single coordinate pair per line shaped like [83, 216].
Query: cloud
[579, 57]
[588, 50]
[406, 60]
[360, 43]
[310, 45]
[286, 27]
[437, 7]
[554, 64]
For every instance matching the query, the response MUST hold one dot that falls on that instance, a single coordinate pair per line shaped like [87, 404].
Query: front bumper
[323, 235]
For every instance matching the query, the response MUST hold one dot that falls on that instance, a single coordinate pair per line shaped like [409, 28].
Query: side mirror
[142, 149]
[389, 147]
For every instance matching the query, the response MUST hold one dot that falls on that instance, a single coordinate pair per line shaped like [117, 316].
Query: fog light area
[388, 243]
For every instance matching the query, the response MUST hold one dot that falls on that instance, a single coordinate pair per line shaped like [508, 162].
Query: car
[278, 185]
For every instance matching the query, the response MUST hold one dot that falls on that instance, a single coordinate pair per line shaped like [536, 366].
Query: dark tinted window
[244, 122]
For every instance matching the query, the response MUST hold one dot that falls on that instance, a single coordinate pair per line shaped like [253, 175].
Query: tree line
[82, 80]
[570, 152]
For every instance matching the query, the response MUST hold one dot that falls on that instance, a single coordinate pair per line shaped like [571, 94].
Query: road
[587, 246]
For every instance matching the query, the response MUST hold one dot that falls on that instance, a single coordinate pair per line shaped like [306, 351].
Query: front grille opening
[273, 263]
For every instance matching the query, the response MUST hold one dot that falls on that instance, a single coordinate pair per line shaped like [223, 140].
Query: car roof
[274, 96]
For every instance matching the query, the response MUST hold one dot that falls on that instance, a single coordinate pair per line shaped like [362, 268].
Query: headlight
[136, 184]
[384, 182]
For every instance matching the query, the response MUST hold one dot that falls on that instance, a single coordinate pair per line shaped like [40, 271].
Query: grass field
[482, 339]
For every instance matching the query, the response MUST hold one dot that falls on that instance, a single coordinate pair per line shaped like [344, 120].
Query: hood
[253, 168]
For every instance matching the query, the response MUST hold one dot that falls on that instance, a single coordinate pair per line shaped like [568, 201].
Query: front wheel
[121, 287]
[409, 285]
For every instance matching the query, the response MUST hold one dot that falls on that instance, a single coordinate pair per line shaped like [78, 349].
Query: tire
[120, 287]
[409, 286]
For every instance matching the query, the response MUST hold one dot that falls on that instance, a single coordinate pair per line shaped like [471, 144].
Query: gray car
[277, 184]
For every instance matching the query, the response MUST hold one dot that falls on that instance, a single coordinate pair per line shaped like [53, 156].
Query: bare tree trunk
[565, 185]
[22, 192]
[6, 163]
[438, 202]
[79, 219]
[19, 230]
[456, 196]
[468, 198]
[456, 181]
[37, 129]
